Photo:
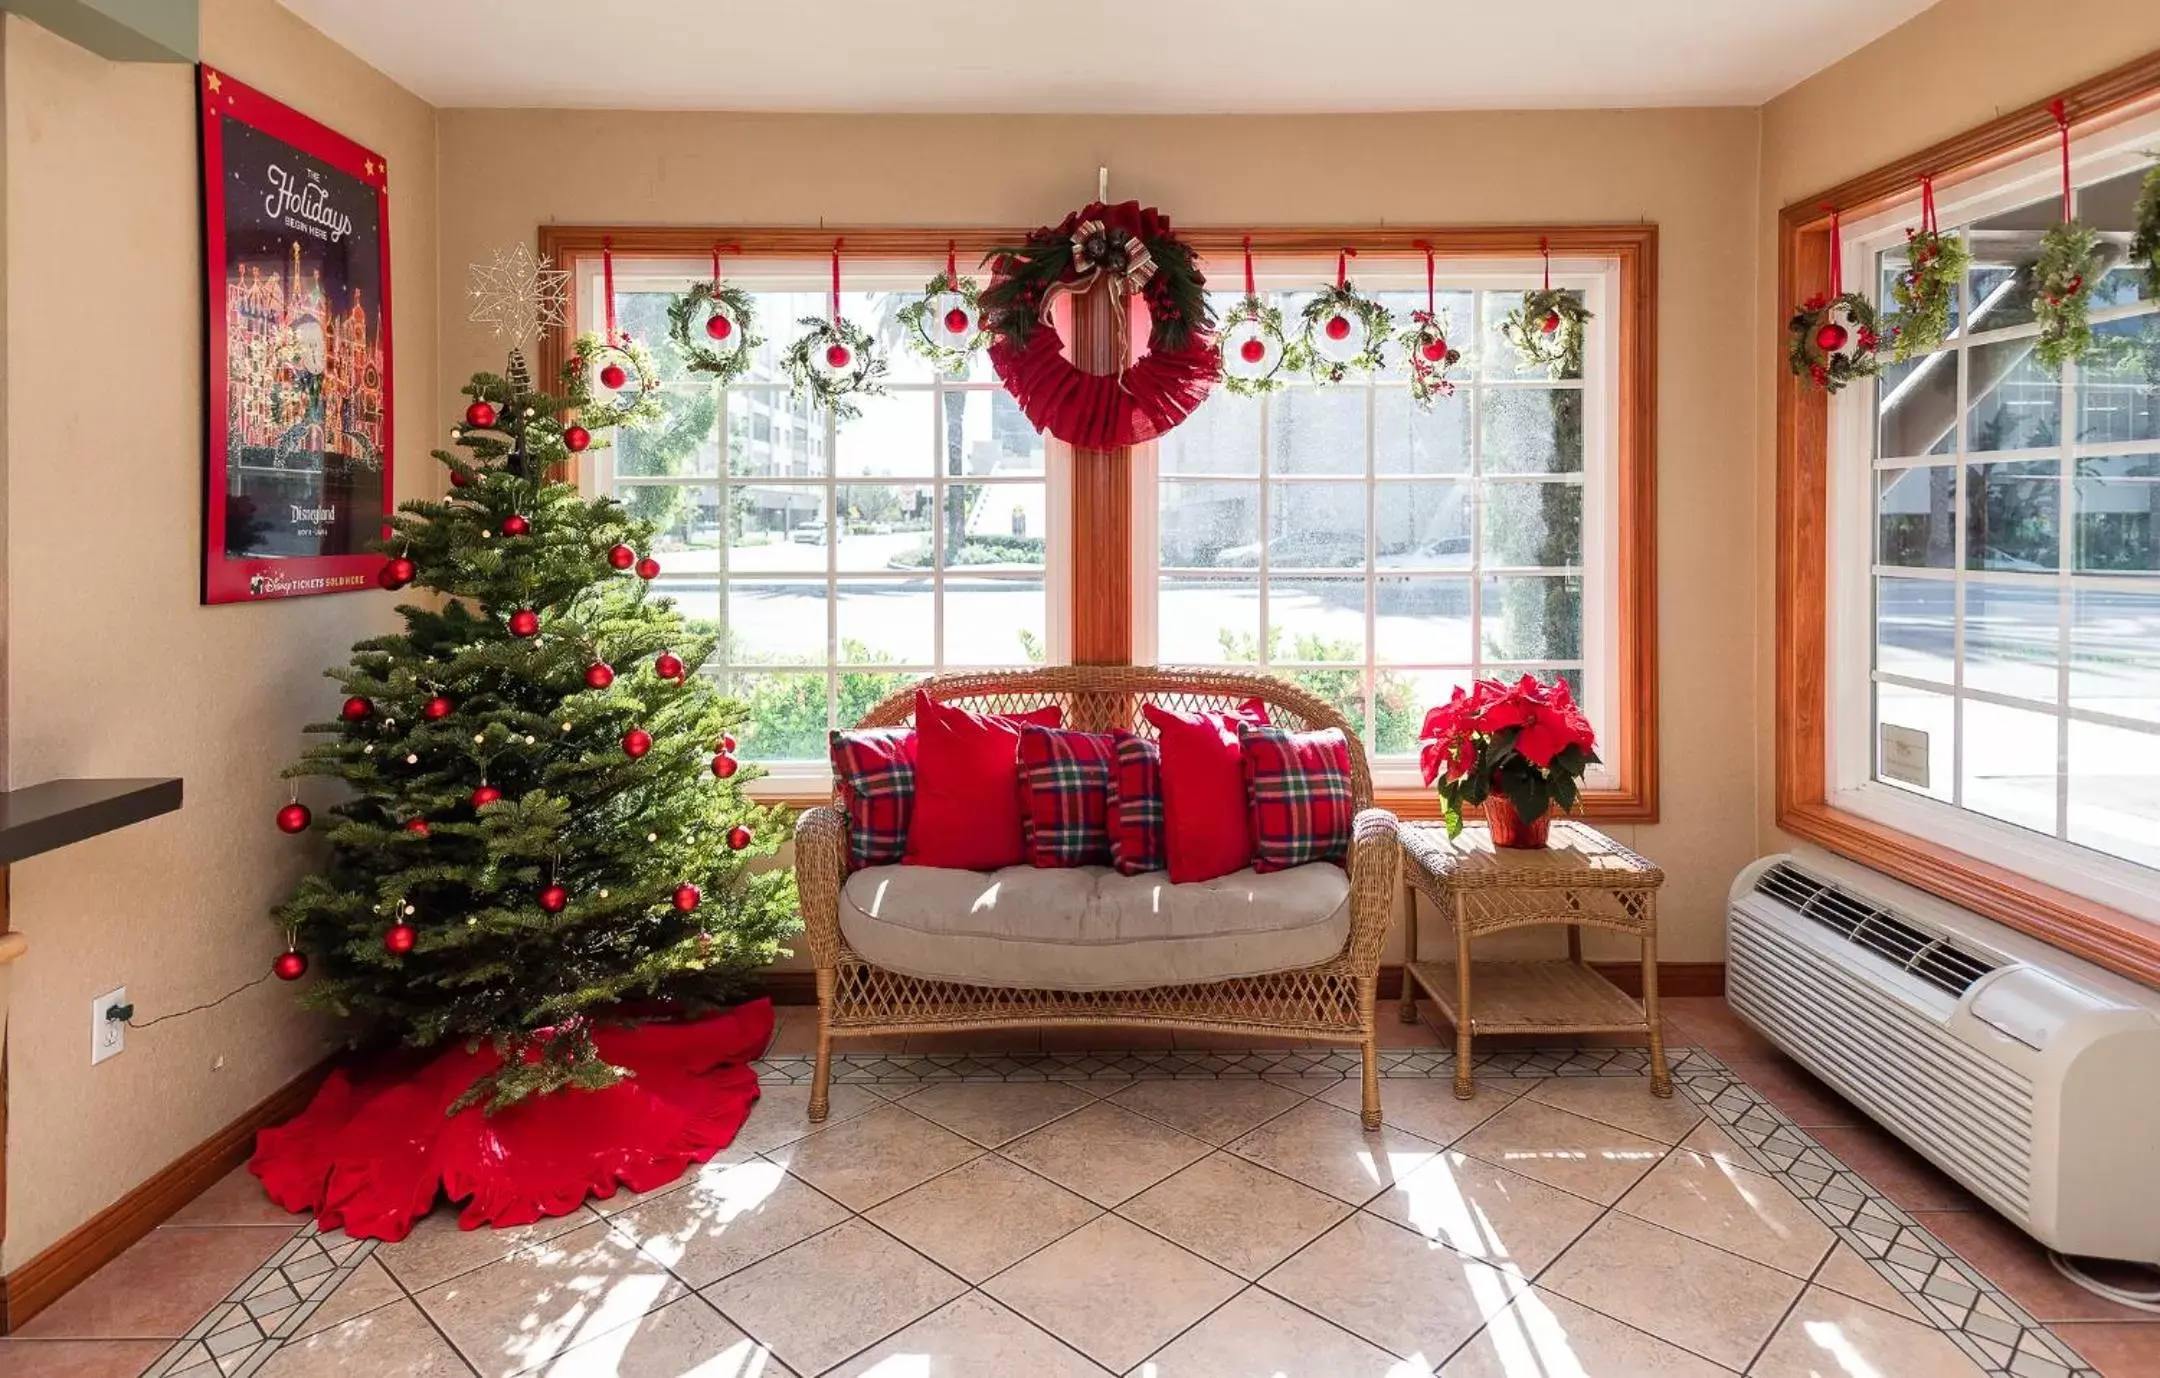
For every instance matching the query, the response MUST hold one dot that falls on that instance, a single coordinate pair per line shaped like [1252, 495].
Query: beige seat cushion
[1090, 928]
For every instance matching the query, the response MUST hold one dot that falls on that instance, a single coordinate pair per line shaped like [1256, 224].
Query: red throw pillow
[1207, 830]
[1299, 787]
[967, 786]
[1065, 789]
[1136, 811]
[876, 769]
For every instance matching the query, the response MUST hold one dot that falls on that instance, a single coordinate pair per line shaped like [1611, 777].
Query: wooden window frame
[1101, 582]
[2097, 932]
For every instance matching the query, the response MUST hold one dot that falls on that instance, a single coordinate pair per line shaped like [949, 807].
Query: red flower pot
[1511, 829]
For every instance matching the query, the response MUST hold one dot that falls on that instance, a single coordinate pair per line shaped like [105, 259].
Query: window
[1995, 568]
[1380, 555]
[835, 563]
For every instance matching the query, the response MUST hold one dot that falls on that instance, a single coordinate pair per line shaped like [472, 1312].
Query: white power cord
[2136, 1301]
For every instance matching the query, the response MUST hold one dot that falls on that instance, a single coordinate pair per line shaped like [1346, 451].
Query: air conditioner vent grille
[1934, 960]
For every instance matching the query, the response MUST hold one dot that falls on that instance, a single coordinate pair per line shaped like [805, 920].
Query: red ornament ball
[1338, 327]
[727, 743]
[437, 709]
[576, 438]
[1435, 350]
[480, 415]
[290, 966]
[396, 573]
[687, 897]
[1253, 350]
[355, 709]
[417, 827]
[648, 568]
[1551, 323]
[621, 556]
[400, 937]
[738, 837]
[525, 622]
[554, 898]
[484, 796]
[294, 818]
[460, 480]
[599, 675]
[724, 766]
[636, 742]
[1830, 338]
[956, 321]
[613, 377]
[515, 525]
[719, 326]
[668, 666]
[838, 356]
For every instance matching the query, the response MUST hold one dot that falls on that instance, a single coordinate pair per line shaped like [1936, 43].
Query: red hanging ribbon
[1430, 308]
[1248, 268]
[716, 248]
[1544, 248]
[836, 279]
[1837, 255]
[1342, 268]
[2062, 124]
[1927, 204]
[952, 263]
[607, 286]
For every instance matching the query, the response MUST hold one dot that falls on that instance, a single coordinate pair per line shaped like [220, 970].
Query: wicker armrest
[1375, 862]
[821, 843]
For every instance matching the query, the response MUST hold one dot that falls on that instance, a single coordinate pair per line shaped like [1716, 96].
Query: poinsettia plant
[1527, 742]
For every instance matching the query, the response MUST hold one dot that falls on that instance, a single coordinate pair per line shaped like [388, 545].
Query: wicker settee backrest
[1100, 698]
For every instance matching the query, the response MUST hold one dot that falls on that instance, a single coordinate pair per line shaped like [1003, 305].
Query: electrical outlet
[108, 1037]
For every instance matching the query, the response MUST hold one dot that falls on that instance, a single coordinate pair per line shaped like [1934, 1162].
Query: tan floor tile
[1331, 1150]
[1259, 1335]
[437, 1250]
[991, 1112]
[1234, 1213]
[1564, 1150]
[363, 1289]
[394, 1341]
[1392, 1287]
[874, 1156]
[1742, 1212]
[2119, 1349]
[1847, 1273]
[973, 1337]
[794, 1033]
[1544, 1335]
[1105, 1153]
[1832, 1334]
[729, 1218]
[686, 1338]
[983, 1216]
[525, 1310]
[1708, 1022]
[160, 1285]
[237, 1198]
[1486, 1212]
[1113, 1291]
[782, 1115]
[78, 1358]
[1713, 1303]
[1624, 1103]
[1427, 1106]
[625, 1199]
[1216, 1111]
[831, 1295]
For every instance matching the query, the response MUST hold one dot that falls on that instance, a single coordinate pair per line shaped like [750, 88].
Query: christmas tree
[544, 821]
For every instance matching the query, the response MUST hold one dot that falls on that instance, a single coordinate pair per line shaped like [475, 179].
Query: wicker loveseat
[1330, 999]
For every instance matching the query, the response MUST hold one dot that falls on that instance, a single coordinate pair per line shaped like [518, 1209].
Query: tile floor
[1173, 1208]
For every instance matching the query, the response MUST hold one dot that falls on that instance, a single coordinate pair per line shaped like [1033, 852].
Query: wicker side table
[1583, 877]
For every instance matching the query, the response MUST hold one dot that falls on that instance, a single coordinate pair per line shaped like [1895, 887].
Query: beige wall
[1953, 67]
[113, 667]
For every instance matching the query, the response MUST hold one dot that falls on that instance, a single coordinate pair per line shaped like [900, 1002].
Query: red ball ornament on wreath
[599, 675]
[1550, 323]
[437, 709]
[668, 666]
[648, 568]
[957, 321]
[738, 837]
[290, 965]
[718, 326]
[515, 525]
[418, 827]
[576, 438]
[480, 415]
[621, 556]
[1338, 327]
[838, 356]
[613, 376]
[636, 742]
[1830, 337]
[399, 938]
[356, 709]
[724, 766]
[294, 818]
[1435, 350]
[554, 898]
[687, 897]
[524, 622]
[484, 796]
[1253, 350]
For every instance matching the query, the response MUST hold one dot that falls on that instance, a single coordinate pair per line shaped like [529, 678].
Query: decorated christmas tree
[543, 822]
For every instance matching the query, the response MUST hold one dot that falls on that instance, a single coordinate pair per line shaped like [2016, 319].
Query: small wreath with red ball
[2063, 280]
[1261, 325]
[1828, 352]
[635, 403]
[1926, 291]
[1426, 345]
[1546, 329]
[1333, 309]
[834, 362]
[725, 356]
[933, 314]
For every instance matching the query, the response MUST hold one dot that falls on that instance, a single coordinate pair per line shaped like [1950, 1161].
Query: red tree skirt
[368, 1156]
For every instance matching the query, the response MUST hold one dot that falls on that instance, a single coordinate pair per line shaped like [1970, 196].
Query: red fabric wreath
[369, 1154]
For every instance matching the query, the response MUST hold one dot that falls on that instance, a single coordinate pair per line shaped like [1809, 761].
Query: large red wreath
[1132, 247]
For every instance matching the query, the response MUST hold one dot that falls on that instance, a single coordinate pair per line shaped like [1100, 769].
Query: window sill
[1598, 805]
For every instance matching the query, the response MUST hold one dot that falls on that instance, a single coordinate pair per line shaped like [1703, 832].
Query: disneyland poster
[297, 247]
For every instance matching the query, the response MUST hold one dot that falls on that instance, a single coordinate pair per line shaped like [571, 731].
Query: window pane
[686, 440]
[773, 435]
[1208, 621]
[2013, 403]
[860, 690]
[2011, 516]
[2115, 791]
[2118, 515]
[1536, 524]
[887, 620]
[1533, 431]
[985, 433]
[1423, 525]
[1313, 526]
[894, 437]
[2012, 641]
[1913, 735]
[1317, 431]
[1915, 628]
[1222, 437]
[775, 622]
[2111, 208]
[2115, 652]
[697, 598]
[788, 716]
[1410, 440]
[2010, 765]
[2004, 249]
[1316, 619]
[1422, 621]
[1533, 617]
[1499, 357]
[688, 541]
[777, 529]
[995, 525]
[1914, 519]
[1398, 712]
[1210, 525]
[883, 525]
[2116, 396]
[1916, 407]
[993, 621]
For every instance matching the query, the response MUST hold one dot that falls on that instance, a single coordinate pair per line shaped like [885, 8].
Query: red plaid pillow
[1136, 805]
[1065, 785]
[876, 770]
[1298, 784]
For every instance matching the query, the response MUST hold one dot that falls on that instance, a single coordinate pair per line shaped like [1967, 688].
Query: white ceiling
[1101, 56]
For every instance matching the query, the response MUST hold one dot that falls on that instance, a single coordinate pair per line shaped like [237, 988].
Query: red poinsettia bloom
[1816, 302]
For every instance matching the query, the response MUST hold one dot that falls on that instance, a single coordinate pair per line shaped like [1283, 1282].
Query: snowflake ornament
[518, 294]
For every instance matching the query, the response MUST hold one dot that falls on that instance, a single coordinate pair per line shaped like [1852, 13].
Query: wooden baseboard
[1674, 979]
[101, 1239]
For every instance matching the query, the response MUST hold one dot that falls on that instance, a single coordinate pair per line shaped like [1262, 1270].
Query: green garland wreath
[1344, 300]
[730, 360]
[915, 316]
[2063, 280]
[1267, 318]
[1926, 291]
[1546, 328]
[1176, 294]
[1425, 337]
[1853, 355]
[2145, 243]
[637, 404]
[864, 376]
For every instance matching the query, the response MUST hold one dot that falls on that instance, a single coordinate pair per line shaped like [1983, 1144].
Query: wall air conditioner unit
[2029, 1075]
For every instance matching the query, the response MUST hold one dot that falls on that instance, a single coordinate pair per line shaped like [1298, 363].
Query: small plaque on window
[1905, 755]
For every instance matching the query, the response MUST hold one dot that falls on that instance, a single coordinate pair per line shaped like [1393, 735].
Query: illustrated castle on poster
[305, 381]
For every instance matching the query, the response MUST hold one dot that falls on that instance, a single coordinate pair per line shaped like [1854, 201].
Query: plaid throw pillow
[1136, 805]
[876, 770]
[1065, 784]
[1298, 784]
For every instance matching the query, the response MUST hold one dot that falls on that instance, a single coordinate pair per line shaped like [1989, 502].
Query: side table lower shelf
[1555, 997]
